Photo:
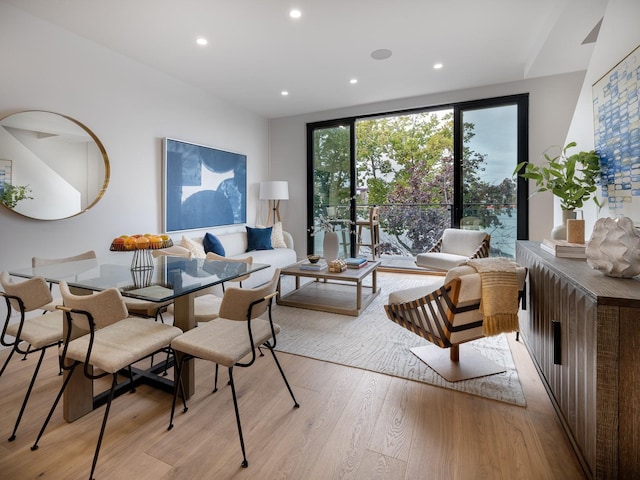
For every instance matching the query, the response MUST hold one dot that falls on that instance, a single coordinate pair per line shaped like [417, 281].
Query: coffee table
[342, 293]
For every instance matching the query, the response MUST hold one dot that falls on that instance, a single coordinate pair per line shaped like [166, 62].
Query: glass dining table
[169, 278]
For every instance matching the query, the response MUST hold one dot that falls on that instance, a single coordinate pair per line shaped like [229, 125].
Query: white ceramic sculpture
[614, 248]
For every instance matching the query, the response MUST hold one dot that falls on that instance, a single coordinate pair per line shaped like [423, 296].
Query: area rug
[372, 342]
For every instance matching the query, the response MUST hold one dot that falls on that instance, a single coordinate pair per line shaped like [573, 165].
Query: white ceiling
[256, 50]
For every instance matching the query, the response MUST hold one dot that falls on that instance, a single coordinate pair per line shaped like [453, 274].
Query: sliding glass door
[492, 143]
[427, 170]
[332, 171]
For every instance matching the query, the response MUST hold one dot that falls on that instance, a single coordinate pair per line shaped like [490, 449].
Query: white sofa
[235, 246]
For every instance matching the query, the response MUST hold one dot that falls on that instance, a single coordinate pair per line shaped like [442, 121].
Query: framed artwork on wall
[5, 173]
[616, 113]
[203, 186]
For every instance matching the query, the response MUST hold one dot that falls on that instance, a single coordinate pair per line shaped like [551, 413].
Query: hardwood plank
[375, 466]
[394, 425]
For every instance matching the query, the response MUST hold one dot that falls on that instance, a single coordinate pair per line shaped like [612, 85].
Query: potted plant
[571, 178]
[12, 194]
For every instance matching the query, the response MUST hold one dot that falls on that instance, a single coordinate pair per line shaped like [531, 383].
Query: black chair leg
[59, 360]
[215, 382]
[55, 404]
[286, 382]
[131, 384]
[166, 363]
[114, 383]
[244, 464]
[24, 357]
[6, 362]
[178, 385]
[26, 397]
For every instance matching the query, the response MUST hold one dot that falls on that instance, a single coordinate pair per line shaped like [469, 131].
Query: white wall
[130, 108]
[551, 104]
[619, 36]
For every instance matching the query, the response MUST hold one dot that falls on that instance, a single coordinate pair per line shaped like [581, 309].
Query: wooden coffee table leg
[358, 295]
[375, 281]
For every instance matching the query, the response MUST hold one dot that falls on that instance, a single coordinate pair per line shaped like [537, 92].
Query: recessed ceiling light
[202, 41]
[437, 66]
[381, 54]
[353, 81]
[284, 93]
[295, 13]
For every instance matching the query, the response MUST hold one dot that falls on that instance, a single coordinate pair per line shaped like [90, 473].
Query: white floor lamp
[274, 191]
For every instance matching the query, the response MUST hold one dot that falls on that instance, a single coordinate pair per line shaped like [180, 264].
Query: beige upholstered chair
[42, 262]
[451, 314]
[454, 247]
[114, 341]
[148, 309]
[207, 306]
[38, 332]
[236, 334]
[373, 224]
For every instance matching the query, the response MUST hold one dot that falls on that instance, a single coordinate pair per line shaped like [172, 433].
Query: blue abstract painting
[204, 186]
[616, 108]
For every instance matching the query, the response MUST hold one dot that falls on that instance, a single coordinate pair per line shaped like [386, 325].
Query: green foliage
[573, 179]
[407, 162]
[12, 194]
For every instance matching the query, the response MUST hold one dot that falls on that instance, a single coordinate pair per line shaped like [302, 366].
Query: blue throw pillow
[212, 244]
[259, 239]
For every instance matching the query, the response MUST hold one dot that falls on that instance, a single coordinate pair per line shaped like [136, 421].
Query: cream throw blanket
[499, 303]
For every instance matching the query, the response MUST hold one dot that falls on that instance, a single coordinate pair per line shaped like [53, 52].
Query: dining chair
[38, 332]
[206, 306]
[42, 262]
[113, 341]
[147, 308]
[231, 337]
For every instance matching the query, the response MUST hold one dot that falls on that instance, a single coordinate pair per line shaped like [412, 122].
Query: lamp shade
[274, 190]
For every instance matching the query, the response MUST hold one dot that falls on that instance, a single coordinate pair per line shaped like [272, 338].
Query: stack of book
[321, 265]
[562, 248]
[356, 262]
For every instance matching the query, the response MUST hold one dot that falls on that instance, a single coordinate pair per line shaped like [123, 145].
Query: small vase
[330, 246]
[559, 232]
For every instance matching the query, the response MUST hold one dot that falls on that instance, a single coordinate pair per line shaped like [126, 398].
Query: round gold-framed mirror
[51, 165]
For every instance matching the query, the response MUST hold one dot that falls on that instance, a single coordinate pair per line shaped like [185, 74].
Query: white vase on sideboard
[559, 232]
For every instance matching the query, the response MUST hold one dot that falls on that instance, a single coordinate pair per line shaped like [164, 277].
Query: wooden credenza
[582, 329]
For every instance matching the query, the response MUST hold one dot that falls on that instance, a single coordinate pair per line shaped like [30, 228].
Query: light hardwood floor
[352, 424]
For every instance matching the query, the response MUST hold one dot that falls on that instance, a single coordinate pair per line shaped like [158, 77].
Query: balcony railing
[409, 229]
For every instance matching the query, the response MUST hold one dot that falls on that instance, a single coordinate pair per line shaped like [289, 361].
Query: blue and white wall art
[616, 108]
[204, 187]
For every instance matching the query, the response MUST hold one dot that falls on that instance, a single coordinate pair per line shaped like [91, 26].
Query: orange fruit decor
[155, 241]
[125, 243]
[142, 243]
[130, 243]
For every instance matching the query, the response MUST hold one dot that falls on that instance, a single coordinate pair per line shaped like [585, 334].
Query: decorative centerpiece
[338, 265]
[614, 248]
[573, 179]
[141, 246]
